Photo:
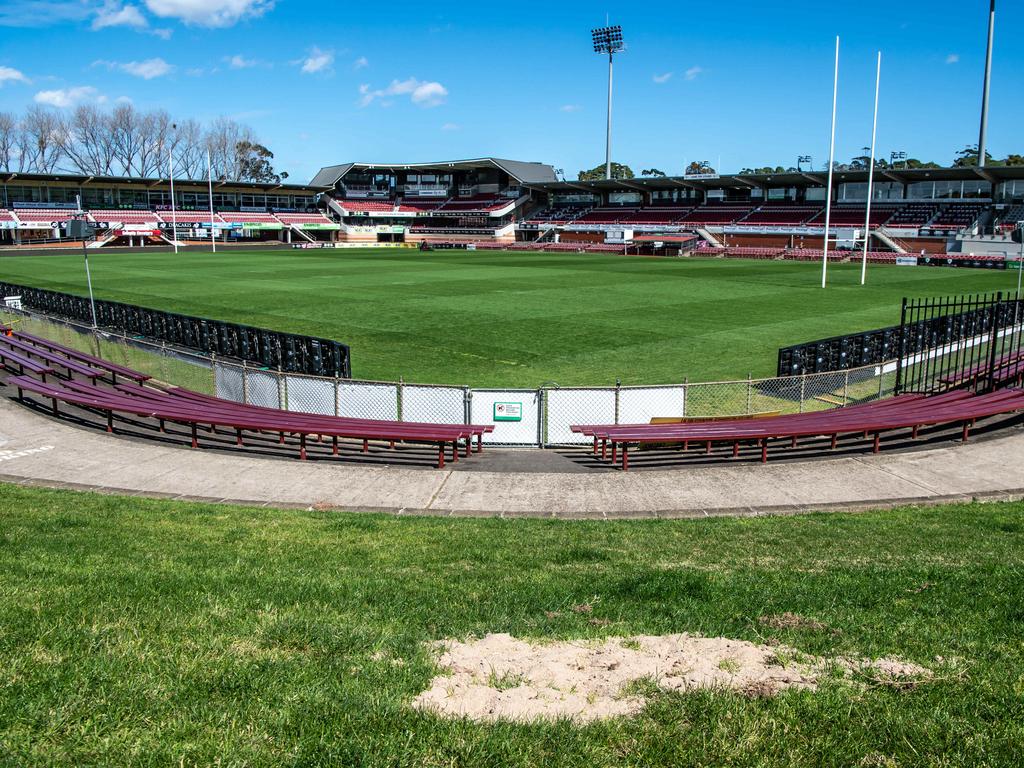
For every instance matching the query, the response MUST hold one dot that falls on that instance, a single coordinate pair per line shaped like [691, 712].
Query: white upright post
[608, 133]
[209, 180]
[831, 164]
[871, 177]
[174, 213]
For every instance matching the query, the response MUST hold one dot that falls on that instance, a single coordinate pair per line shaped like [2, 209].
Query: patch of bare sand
[499, 677]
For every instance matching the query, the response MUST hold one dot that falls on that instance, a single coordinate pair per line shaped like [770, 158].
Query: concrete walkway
[37, 450]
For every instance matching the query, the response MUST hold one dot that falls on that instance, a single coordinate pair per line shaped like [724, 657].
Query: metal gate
[960, 342]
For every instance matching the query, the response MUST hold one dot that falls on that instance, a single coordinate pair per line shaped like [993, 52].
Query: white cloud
[317, 61]
[209, 13]
[10, 74]
[361, 63]
[113, 14]
[238, 61]
[147, 70]
[163, 34]
[693, 72]
[659, 79]
[451, 127]
[570, 108]
[69, 97]
[953, 58]
[421, 93]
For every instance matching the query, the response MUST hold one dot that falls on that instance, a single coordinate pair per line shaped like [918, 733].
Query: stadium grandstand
[35, 210]
[494, 203]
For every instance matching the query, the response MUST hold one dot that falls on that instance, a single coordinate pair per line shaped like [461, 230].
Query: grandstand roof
[11, 177]
[993, 174]
[523, 172]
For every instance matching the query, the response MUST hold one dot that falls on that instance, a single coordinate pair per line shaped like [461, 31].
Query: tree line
[965, 158]
[124, 141]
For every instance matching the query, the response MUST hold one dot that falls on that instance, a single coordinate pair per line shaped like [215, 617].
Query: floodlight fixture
[608, 40]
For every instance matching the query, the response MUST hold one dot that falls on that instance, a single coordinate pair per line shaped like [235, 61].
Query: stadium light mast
[608, 40]
[983, 135]
[209, 181]
[831, 170]
[871, 176]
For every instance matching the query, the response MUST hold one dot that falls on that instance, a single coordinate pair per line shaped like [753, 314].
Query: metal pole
[1020, 261]
[209, 180]
[174, 213]
[831, 164]
[608, 136]
[871, 177]
[982, 137]
[88, 274]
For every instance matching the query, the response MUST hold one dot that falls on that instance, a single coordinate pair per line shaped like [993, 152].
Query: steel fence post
[245, 383]
[280, 391]
[213, 374]
[618, 390]
[846, 386]
[803, 390]
[400, 396]
[337, 389]
[750, 391]
[881, 381]
[468, 406]
[686, 394]
[542, 418]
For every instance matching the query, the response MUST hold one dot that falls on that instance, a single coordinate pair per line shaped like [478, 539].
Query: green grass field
[517, 319]
[138, 632]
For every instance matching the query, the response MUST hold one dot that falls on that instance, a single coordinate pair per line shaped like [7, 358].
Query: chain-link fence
[526, 417]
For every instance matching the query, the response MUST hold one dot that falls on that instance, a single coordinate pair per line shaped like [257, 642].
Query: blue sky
[746, 82]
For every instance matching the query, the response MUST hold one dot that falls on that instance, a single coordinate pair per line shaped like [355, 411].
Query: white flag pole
[209, 180]
[174, 213]
[831, 164]
[871, 177]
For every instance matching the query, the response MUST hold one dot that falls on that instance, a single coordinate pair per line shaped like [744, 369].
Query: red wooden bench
[51, 358]
[871, 420]
[94, 362]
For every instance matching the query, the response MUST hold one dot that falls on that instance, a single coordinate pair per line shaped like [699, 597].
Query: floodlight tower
[987, 84]
[608, 40]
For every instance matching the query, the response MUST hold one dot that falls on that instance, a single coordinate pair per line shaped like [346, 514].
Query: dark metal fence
[288, 352]
[945, 321]
[960, 342]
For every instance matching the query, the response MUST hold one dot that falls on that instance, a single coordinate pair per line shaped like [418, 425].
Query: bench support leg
[595, 445]
[110, 421]
[280, 440]
[480, 442]
[238, 437]
[302, 446]
[913, 434]
[195, 437]
[54, 401]
[792, 443]
[835, 441]
[764, 450]
[877, 444]
[366, 445]
[625, 457]
[965, 436]
[455, 450]
[162, 428]
[334, 445]
[708, 448]
[469, 445]
[735, 450]
[615, 452]
[604, 449]
[440, 455]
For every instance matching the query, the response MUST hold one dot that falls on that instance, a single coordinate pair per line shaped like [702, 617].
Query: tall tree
[41, 140]
[8, 140]
[619, 171]
[652, 173]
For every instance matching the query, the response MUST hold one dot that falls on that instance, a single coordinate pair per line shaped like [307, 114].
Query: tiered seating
[303, 218]
[956, 216]
[419, 205]
[606, 215]
[779, 215]
[6, 215]
[847, 215]
[124, 217]
[44, 216]
[484, 203]
[562, 214]
[865, 421]
[913, 215]
[657, 215]
[181, 406]
[1008, 221]
[190, 217]
[367, 206]
[716, 214]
